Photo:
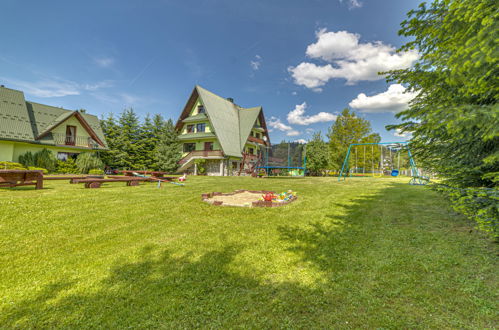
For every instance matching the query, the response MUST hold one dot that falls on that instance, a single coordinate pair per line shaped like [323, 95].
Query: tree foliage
[454, 119]
[348, 129]
[317, 155]
[167, 152]
[150, 145]
[88, 161]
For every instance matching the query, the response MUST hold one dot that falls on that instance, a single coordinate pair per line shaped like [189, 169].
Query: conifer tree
[168, 150]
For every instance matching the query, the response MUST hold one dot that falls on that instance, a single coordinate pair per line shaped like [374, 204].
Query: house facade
[29, 126]
[229, 138]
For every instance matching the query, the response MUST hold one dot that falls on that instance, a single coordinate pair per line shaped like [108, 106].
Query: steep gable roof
[25, 121]
[232, 124]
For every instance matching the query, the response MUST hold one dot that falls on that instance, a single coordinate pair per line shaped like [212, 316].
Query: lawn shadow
[162, 290]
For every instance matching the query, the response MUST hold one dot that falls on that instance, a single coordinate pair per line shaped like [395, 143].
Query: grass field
[371, 253]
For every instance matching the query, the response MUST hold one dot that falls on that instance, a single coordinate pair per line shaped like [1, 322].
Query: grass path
[366, 253]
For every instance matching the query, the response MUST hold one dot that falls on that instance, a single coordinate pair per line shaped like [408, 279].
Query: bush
[478, 204]
[67, 167]
[96, 171]
[27, 159]
[45, 159]
[34, 168]
[87, 161]
[11, 166]
[200, 165]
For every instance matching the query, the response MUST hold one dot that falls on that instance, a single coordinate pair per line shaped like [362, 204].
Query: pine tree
[128, 142]
[111, 131]
[149, 139]
[168, 150]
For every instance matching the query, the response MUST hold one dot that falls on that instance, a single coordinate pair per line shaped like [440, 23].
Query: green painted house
[29, 126]
[227, 136]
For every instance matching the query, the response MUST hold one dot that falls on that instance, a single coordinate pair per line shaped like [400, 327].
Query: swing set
[378, 163]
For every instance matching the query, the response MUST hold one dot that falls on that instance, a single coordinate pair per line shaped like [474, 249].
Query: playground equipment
[283, 159]
[383, 157]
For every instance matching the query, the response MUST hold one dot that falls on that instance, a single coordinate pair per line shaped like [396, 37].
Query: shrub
[11, 166]
[478, 204]
[200, 165]
[34, 168]
[27, 159]
[87, 161]
[67, 167]
[96, 171]
[45, 159]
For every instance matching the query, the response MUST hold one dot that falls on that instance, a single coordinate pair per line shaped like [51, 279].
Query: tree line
[151, 144]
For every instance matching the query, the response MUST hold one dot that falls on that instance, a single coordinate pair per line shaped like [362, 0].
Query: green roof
[231, 123]
[25, 121]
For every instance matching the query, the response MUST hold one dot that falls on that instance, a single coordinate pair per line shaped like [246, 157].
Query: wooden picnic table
[15, 178]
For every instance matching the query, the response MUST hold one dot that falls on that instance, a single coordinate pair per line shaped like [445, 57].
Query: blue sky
[303, 61]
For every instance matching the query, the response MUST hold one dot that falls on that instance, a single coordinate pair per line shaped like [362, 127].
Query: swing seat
[395, 172]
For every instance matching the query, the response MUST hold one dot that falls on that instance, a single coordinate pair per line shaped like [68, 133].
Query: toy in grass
[250, 198]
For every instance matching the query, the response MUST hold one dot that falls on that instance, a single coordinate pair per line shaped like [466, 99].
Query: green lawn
[372, 253]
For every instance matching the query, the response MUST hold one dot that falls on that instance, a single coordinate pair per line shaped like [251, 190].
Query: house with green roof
[29, 126]
[228, 137]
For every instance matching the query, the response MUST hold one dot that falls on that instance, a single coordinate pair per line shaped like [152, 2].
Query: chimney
[230, 99]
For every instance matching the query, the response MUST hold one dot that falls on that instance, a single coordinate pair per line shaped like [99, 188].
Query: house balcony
[195, 136]
[74, 141]
[257, 140]
[215, 154]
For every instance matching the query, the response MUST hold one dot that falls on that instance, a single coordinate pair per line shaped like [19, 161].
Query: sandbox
[249, 198]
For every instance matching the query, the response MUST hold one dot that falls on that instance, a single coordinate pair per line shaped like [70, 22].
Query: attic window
[201, 109]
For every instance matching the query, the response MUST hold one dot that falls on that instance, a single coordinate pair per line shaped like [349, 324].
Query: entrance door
[208, 146]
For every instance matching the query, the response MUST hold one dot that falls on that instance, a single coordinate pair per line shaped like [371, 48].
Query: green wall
[10, 151]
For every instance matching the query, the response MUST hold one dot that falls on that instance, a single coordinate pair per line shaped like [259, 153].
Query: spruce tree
[168, 150]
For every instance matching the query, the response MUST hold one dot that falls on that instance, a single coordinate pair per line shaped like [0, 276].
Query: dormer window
[201, 109]
[190, 128]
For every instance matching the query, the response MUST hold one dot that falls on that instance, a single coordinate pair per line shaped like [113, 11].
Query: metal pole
[344, 163]
[364, 164]
[381, 167]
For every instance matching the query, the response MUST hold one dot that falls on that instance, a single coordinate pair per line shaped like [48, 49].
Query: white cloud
[399, 133]
[293, 133]
[302, 141]
[294, 93]
[104, 61]
[310, 130]
[352, 4]
[54, 87]
[297, 116]
[348, 59]
[255, 65]
[276, 123]
[395, 99]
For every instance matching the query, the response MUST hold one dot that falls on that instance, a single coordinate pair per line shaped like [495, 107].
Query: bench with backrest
[15, 178]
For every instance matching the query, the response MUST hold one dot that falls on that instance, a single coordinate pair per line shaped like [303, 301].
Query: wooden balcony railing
[77, 141]
[257, 140]
[201, 153]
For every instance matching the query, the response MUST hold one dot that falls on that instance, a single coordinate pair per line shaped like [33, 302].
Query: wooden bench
[67, 177]
[15, 178]
[96, 182]
[157, 174]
